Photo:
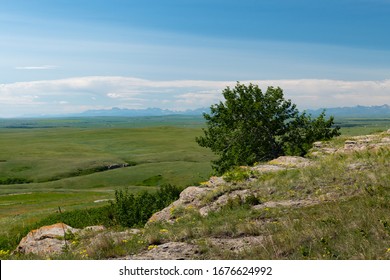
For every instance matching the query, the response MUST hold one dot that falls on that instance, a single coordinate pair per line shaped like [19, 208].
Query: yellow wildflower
[4, 253]
[172, 210]
[151, 247]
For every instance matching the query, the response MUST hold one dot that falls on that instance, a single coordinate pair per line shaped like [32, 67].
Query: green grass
[104, 122]
[67, 166]
[361, 126]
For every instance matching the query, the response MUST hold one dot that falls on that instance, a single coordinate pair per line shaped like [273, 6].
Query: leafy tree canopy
[251, 126]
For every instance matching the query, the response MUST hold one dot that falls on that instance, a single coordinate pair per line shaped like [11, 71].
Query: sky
[68, 56]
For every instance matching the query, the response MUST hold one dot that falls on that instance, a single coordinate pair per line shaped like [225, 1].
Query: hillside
[333, 204]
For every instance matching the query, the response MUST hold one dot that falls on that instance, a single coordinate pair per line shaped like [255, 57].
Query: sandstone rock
[168, 251]
[350, 144]
[286, 203]
[329, 150]
[47, 240]
[291, 161]
[236, 244]
[318, 144]
[214, 182]
[101, 239]
[223, 200]
[385, 140]
[190, 196]
[263, 168]
[94, 228]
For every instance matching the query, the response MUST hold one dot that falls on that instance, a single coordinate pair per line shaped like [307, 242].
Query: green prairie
[79, 163]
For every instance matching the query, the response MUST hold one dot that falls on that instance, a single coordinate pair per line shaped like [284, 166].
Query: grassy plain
[46, 164]
[362, 126]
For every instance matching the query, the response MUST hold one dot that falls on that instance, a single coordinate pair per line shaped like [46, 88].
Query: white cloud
[43, 67]
[106, 91]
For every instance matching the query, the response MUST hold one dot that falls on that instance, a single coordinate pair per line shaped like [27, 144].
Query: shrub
[131, 210]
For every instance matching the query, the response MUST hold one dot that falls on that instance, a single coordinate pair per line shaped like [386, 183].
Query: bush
[131, 210]
[12, 181]
[81, 218]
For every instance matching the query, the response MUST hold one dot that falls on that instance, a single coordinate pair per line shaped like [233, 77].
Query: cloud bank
[82, 93]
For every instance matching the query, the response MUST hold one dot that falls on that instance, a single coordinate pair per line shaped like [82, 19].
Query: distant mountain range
[355, 112]
[350, 112]
[382, 111]
[149, 112]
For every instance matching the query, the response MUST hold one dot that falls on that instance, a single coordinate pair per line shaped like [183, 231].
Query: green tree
[304, 131]
[251, 126]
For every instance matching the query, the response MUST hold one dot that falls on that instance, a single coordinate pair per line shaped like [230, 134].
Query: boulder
[47, 240]
[50, 240]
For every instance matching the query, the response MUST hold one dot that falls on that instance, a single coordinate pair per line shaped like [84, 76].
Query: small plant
[4, 254]
[237, 174]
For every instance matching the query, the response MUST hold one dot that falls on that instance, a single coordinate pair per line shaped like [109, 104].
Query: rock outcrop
[354, 144]
[49, 240]
[194, 197]
[168, 251]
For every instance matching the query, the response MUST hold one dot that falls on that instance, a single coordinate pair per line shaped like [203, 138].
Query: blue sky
[68, 56]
